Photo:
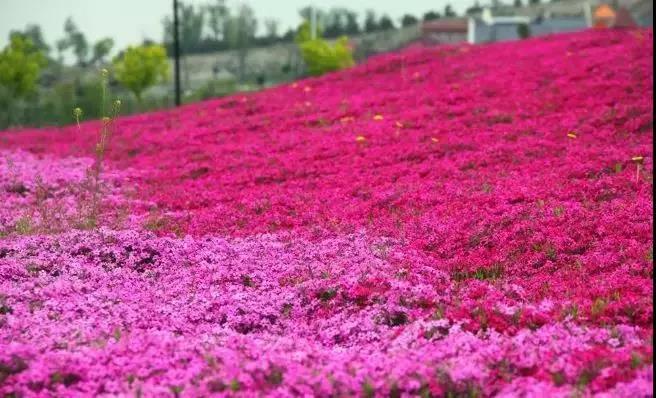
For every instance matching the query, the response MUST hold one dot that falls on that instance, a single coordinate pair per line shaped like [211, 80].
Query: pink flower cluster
[118, 312]
[448, 221]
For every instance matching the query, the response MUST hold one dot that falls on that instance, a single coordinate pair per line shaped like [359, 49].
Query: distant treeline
[215, 27]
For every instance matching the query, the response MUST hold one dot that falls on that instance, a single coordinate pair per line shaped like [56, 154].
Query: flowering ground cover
[449, 221]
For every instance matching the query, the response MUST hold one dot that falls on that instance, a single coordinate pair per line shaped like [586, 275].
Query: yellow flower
[638, 159]
[346, 119]
[378, 117]
[571, 135]
[360, 138]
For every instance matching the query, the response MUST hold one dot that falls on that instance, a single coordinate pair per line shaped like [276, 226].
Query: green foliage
[340, 21]
[101, 49]
[240, 34]
[240, 28]
[191, 26]
[319, 55]
[217, 14]
[385, 23]
[20, 65]
[523, 31]
[431, 16]
[34, 33]
[371, 21]
[304, 33]
[76, 40]
[449, 12]
[408, 20]
[141, 67]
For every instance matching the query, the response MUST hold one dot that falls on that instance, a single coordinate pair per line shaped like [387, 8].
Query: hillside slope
[464, 220]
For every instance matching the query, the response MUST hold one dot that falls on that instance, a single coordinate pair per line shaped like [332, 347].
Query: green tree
[385, 23]
[101, 49]
[216, 17]
[303, 33]
[240, 34]
[335, 23]
[33, 32]
[339, 21]
[191, 27]
[475, 9]
[271, 29]
[141, 67]
[448, 11]
[306, 14]
[408, 20]
[370, 21]
[20, 66]
[431, 15]
[352, 26]
[76, 40]
[319, 55]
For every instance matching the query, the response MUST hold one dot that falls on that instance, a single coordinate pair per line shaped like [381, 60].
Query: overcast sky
[131, 21]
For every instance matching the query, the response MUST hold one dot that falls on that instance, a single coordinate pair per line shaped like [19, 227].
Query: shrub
[319, 55]
[523, 31]
[141, 67]
[20, 66]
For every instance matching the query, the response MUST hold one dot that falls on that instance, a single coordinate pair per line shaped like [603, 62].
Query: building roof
[450, 25]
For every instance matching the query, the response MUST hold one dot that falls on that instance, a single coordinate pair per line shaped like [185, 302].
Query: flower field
[458, 221]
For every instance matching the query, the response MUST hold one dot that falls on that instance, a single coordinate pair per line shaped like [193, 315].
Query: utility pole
[176, 52]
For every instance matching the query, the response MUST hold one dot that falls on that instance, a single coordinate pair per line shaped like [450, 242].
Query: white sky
[130, 21]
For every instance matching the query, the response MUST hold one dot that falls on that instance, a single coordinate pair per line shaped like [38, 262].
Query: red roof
[454, 25]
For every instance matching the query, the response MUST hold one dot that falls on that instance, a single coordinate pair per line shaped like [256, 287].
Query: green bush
[319, 55]
[523, 31]
[20, 66]
[141, 67]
